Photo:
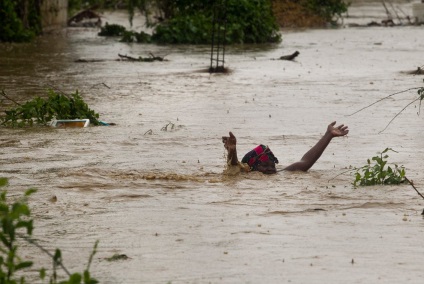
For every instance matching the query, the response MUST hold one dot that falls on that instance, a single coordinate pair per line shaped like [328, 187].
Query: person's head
[261, 159]
[267, 167]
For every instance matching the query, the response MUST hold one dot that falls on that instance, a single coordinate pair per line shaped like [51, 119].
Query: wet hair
[260, 154]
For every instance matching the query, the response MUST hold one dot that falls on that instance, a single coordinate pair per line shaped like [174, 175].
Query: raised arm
[309, 159]
[230, 144]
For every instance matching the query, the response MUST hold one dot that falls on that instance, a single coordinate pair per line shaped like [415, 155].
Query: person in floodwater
[263, 160]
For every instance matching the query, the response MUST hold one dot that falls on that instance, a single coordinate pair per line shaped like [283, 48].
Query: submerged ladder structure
[219, 28]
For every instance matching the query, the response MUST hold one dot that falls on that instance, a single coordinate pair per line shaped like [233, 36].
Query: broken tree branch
[412, 184]
[3, 93]
[399, 114]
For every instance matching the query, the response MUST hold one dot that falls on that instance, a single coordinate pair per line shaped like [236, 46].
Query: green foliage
[190, 22]
[112, 30]
[127, 36]
[41, 111]
[378, 172]
[15, 222]
[184, 29]
[20, 20]
[327, 9]
[14, 218]
[74, 5]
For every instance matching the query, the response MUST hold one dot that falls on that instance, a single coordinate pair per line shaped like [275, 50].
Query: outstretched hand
[337, 131]
[229, 142]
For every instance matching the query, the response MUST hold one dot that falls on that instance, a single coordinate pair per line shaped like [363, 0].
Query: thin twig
[57, 89]
[33, 242]
[384, 99]
[100, 84]
[412, 184]
[91, 255]
[4, 95]
[397, 15]
[398, 114]
[389, 15]
[341, 174]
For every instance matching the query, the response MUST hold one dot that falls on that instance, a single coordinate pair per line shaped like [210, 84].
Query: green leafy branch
[377, 171]
[41, 111]
[15, 222]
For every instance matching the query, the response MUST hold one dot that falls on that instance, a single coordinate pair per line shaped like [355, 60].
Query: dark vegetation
[19, 20]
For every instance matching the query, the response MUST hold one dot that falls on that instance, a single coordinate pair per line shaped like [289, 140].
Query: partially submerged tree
[41, 111]
[190, 21]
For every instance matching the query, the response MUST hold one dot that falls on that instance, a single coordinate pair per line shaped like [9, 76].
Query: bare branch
[3, 93]
[398, 114]
[412, 184]
[384, 99]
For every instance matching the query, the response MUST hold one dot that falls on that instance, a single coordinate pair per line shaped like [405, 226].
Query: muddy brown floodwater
[160, 197]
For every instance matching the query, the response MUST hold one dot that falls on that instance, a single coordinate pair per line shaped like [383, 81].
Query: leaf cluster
[377, 171]
[112, 30]
[41, 111]
[15, 222]
[126, 36]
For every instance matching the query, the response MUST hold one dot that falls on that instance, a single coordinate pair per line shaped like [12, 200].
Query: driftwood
[142, 59]
[81, 60]
[122, 57]
[291, 56]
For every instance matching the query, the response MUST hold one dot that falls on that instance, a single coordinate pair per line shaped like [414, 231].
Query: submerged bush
[247, 21]
[41, 111]
[376, 171]
[112, 30]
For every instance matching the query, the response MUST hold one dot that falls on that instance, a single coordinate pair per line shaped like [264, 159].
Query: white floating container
[63, 123]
